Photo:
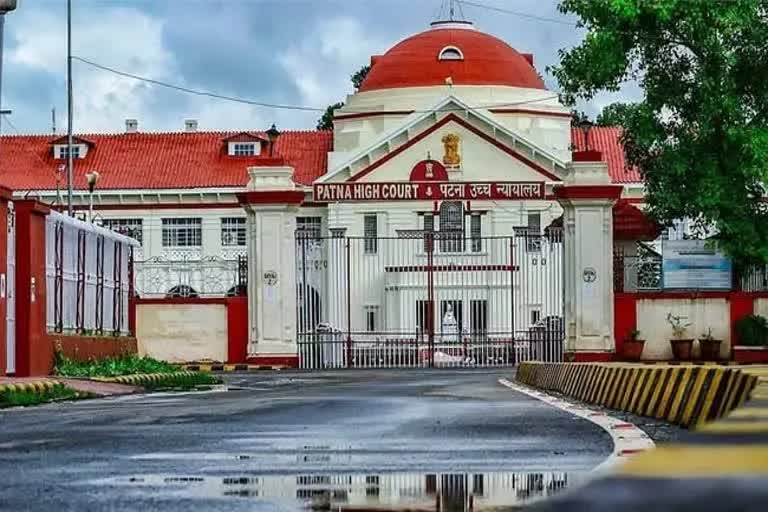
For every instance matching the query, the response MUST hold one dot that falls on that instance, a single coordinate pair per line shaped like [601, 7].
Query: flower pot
[710, 349]
[632, 349]
[682, 350]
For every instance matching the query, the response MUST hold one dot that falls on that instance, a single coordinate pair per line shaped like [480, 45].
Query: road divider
[686, 395]
[158, 380]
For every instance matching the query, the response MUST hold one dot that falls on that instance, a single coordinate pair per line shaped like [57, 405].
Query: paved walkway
[82, 385]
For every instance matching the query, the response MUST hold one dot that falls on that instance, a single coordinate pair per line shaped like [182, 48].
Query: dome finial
[448, 11]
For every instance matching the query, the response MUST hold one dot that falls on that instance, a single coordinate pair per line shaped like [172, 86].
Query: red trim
[625, 318]
[545, 113]
[590, 357]
[149, 206]
[184, 300]
[6, 194]
[362, 115]
[271, 197]
[588, 191]
[750, 355]
[742, 304]
[237, 329]
[456, 119]
[452, 268]
[588, 155]
[687, 295]
[288, 360]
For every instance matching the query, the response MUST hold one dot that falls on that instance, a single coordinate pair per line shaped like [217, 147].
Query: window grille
[451, 226]
[475, 229]
[308, 227]
[64, 152]
[133, 228]
[533, 232]
[371, 232]
[182, 232]
[233, 233]
[244, 149]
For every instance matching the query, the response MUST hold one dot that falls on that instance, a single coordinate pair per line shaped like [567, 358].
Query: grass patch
[13, 398]
[111, 366]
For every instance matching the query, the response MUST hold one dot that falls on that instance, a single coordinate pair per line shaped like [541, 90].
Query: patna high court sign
[426, 191]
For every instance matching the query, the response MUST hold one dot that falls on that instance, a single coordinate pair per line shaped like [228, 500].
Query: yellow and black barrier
[687, 395]
[33, 386]
[158, 379]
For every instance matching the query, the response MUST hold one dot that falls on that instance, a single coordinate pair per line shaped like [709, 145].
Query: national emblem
[451, 156]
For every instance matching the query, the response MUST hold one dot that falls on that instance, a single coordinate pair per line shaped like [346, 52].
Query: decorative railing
[195, 277]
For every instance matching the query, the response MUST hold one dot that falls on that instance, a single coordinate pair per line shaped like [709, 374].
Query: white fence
[88, 277]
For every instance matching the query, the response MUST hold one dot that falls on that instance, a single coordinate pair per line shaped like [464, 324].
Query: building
[421, 218]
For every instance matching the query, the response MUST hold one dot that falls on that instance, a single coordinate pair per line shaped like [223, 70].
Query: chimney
[190, 125]
[131, 126]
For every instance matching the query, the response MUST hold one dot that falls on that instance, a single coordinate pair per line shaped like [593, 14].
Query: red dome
[485, 60]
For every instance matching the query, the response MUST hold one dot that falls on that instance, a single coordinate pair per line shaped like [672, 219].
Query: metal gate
[429, 299]
[10, 294]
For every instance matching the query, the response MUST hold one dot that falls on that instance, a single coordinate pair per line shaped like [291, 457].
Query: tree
[358, 76]
[613, 114]
[326, 121]
[700, 133]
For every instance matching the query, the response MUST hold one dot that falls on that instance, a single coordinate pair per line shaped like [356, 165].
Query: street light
[585, 126]
[91, 178]
[272, 134]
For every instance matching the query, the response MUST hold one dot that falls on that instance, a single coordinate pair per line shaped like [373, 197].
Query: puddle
[445, 492]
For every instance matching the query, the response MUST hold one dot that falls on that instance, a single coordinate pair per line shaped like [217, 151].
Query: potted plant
[710, 347]
[682, 347]
[633, 346]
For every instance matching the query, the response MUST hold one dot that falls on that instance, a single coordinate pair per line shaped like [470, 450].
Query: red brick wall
[84, 348]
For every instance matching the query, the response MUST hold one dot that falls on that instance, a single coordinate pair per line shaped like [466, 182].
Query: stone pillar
[271, 202]
[587, 197]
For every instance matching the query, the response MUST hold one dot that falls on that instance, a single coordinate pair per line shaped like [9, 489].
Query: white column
[587, 197]
[271, 203]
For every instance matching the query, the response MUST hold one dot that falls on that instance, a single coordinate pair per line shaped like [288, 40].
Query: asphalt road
[291, 441]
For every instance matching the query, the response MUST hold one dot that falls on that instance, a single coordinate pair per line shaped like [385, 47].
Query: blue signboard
[694, 265]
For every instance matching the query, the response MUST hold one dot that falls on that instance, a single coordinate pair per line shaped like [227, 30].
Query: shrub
[128, 364]
[752, 330]
[15, 398]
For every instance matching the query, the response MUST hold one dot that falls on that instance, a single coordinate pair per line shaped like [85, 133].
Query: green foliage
[578, 117]
[14, 398]
[110, 367]
[634, 334]
[358, 76]
[183, 381]
[614, 114]
[752, 330]
[326, 121]
[678, 327]
[700, 133]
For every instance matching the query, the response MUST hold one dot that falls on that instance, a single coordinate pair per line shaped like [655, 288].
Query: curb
[228, 368]
[148, 378]
[37, 386]
[686, 395]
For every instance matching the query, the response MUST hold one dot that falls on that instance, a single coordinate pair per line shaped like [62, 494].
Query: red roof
[629, 223]
[158, 160]
[606, 139]
[487, 61]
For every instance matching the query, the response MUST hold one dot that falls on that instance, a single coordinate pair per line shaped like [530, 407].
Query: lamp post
[272, 134]
[92, 178]
[6, 6]
[585, 126]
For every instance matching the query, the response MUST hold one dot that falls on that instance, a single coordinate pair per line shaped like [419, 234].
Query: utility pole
[6, 6]
[69, 109]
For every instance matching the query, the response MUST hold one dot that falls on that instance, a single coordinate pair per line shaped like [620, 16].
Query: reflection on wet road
[426, 440]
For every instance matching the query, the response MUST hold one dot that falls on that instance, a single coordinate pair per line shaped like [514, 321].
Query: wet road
[452, 439]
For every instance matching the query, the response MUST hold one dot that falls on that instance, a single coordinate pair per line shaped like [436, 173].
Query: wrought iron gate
[429, 299]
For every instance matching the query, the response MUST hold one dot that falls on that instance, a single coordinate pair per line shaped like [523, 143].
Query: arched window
[451, 53]
[452, 226]
[181, 290]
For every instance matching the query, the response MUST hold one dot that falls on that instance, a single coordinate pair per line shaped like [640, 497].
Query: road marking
[627, 438]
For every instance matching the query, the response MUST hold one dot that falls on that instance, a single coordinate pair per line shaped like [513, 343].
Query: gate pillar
[271, 202]
[587, 197]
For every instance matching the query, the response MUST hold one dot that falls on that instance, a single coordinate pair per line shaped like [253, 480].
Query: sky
[293, 52]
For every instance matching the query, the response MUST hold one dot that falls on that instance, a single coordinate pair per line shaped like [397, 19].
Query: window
[370, 318]
[535, 316]
[182, 232]
[64, 152]
[242, 149]
[451, 53]
[371, 233]
[475, 230]
[128, 227]
[533, 232]
[478, 316]
[308, 227]
[429, 228]
[451, 226]
[233, 231]
[422, 316]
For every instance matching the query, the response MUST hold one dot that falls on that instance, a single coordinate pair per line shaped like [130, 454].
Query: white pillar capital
[272, 203]
[587, 197]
